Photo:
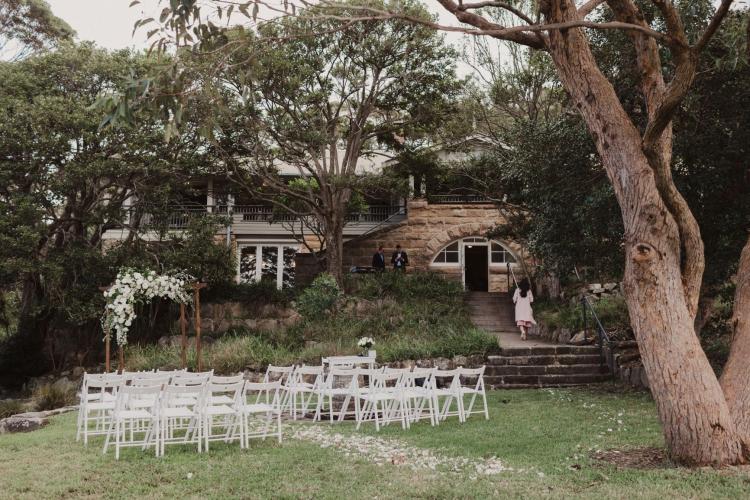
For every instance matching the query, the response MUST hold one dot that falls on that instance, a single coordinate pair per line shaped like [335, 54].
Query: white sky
[109, 23]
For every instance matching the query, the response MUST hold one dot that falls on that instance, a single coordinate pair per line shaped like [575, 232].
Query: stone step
[547, 380]
[551, 349]
[549, 359]
[504, 370]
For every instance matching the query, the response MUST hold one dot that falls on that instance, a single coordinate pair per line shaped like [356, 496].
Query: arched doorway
[475, 257]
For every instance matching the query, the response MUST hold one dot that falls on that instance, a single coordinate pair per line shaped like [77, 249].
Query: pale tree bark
[699, 429]
[736, 375]
[663, 246]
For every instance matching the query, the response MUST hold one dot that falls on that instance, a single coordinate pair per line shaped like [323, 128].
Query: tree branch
[719, 16]
[502, 5]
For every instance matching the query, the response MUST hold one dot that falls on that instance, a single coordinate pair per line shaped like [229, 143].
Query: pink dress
[524, 313]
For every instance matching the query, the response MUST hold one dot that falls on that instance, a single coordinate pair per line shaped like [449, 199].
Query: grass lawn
[545, 436]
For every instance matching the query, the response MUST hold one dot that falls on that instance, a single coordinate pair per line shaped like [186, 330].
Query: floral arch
[133, 287]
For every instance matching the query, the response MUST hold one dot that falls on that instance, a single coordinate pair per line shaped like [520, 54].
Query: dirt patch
[635, 458]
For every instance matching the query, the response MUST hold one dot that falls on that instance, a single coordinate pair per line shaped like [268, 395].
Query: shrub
[10, 407]
[613, 312]
[50, 397]
[261, 292]
[319, 298]
[418, 285]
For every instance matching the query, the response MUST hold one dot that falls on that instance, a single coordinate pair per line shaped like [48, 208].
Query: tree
[704, 422]
[29, 26]
[320, 102]
[63, 184]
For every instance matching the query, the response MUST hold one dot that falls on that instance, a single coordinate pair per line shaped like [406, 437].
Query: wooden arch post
[107, 336]
[197, 306]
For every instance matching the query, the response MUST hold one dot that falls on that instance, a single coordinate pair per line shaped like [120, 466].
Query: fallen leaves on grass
[392, 451]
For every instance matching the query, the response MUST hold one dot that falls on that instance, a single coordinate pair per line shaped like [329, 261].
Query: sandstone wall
[427, 229]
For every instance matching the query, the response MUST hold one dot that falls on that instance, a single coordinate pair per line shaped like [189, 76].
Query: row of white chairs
[154, 409]
[381, 395]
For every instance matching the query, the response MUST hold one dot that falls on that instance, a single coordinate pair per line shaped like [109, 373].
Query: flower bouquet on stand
[366, 343]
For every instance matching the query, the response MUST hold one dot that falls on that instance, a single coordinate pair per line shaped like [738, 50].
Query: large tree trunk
[697, 423]
[736, 375]
[334, 234]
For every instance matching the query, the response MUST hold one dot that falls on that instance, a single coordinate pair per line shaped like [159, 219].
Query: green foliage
[611, 311]
[29, 26]
[413, 316]
[257, 292]
[51, 396]
[10, 407]
[319, 298]
[56, 167]
[402, 286]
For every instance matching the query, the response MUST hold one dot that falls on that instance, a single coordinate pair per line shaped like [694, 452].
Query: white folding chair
[262, 400]
[175, 415]
[303, 384]
[446, 385]
[418, 394]
[231, 379]
[223, 400]
[384, 402]
[340, 383]
[96, 403]
[471, 382]
[282, 374]
[124, 414]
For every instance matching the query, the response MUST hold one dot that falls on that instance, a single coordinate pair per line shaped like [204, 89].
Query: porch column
[210, 195]
[280, 268]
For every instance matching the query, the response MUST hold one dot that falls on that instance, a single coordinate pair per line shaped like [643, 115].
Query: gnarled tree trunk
[736, 376]
[334, 237]
[699, 429]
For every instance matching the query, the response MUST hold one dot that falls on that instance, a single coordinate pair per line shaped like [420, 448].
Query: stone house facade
[448, 238]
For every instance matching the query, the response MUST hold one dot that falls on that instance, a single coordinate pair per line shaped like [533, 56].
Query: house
[444, 232]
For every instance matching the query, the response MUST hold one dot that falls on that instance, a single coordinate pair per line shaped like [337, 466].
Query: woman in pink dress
[523, 298]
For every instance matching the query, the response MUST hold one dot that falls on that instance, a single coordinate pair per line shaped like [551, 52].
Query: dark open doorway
[476, 268]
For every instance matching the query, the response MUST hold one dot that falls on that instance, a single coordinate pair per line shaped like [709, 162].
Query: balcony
[447, 199]
[266, 220]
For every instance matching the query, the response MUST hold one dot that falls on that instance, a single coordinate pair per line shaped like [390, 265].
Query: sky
[110, 22]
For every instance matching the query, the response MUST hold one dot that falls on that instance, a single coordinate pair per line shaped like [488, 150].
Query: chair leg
[278, 425]
[117, 442]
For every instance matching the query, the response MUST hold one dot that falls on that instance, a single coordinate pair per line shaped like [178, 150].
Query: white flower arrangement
[132, 287]
[366, 342]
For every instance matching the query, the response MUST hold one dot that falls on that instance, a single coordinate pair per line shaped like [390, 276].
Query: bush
[319, 298]
[50, 397]
[261, 292]
[10, 407]
[402, 286]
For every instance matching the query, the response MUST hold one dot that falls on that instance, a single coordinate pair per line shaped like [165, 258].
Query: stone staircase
[535, 363]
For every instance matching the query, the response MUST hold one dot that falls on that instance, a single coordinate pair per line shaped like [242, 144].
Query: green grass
[548, 435]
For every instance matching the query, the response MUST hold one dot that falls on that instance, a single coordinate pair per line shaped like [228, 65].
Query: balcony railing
[457, 198]
[181, 216]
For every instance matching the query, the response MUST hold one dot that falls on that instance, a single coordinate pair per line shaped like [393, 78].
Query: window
[267, 262]
[451, 254]
[448, 255]
[501, 255]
